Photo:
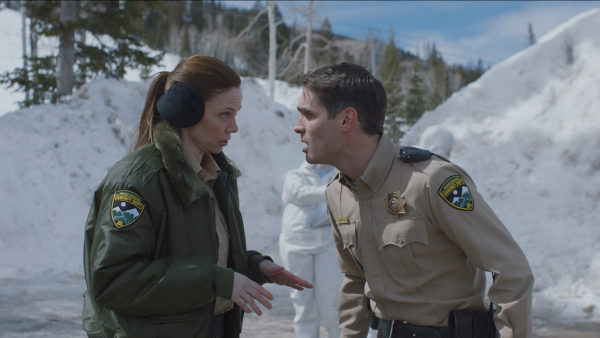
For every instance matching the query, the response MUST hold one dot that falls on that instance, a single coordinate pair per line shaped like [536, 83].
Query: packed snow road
[50, 306]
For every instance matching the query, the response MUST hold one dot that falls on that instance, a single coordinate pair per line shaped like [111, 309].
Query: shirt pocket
[402, 240]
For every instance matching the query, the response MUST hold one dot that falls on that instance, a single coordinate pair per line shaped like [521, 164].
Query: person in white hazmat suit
[307, 249]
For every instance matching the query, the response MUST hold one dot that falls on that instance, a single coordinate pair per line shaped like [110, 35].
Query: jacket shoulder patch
[127, 207]
[455, 192]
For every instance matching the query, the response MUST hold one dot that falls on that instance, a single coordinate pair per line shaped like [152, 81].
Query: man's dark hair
[348, 85]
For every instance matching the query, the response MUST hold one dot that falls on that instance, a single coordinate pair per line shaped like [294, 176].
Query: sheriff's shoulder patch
[127, 207]
[456, 193]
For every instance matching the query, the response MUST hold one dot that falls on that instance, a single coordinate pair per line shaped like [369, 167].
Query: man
[307, 250]
[412, 232]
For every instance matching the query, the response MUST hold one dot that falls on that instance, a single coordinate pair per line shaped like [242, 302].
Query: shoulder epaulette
[413, 154]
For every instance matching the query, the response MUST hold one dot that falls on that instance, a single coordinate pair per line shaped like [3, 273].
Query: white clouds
[462, 31]
[499, 37]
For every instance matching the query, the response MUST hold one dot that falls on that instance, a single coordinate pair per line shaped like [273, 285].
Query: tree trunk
[66, 53]
[307, 50]
[33, 54]
[24, 44]
[272, 48]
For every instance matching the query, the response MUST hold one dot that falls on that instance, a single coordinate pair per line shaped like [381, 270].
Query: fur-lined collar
[189, 187]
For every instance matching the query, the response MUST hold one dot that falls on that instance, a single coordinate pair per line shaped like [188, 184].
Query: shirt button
[369, 239]
[374, 274]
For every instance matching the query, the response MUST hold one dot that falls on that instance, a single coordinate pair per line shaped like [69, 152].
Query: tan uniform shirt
[208, 171]
[418, 265]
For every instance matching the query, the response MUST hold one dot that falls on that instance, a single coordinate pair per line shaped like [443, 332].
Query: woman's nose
[233, 127]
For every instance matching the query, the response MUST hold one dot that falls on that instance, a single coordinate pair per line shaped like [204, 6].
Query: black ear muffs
[182, 105]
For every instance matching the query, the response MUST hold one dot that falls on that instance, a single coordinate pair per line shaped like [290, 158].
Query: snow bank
[528, 132]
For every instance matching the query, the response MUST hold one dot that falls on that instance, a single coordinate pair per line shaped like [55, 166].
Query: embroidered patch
[127, 207]
[456, 193]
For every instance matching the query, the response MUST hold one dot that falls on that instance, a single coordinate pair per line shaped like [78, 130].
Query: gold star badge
[396, 204]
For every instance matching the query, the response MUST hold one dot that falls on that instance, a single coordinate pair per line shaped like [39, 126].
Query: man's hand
[277, 274]
[245, 291]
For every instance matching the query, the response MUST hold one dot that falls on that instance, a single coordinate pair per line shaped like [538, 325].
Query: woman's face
[214, 130]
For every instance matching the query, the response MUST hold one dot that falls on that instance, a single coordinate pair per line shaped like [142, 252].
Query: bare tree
[290, 57]
[66, 51]
[243, 32]
[308, 49]
[374, 47]
[24, 42]
[272, 48]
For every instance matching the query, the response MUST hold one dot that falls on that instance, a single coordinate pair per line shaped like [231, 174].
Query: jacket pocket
[90, 320]
[180, 325]
[400, 240]
[180, 318]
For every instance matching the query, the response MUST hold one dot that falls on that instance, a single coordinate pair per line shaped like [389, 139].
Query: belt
[402, 329]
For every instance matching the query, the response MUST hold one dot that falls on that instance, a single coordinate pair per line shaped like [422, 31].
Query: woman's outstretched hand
[246, 292]
[277, 274]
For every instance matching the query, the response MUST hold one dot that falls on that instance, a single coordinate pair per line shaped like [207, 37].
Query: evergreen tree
[415, 104]
[470, 73]
[530, 36]
[114, 28]
[390, 74]
[440, 76]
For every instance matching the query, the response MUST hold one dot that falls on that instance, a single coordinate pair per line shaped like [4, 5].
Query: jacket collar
[188, 185]
[380, 164]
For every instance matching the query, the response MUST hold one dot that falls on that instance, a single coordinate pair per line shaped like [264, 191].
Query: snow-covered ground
[528, 132]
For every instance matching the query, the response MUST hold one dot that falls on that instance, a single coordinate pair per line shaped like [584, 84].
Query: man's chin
[312, 160]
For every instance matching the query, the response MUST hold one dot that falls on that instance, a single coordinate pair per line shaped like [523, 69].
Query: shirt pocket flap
[404, 232]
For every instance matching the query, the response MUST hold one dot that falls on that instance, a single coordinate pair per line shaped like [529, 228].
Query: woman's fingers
[245, 292]
[250, 302]
[262, 295]
[287, 278]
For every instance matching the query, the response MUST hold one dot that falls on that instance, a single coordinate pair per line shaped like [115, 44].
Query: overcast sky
[463, 31]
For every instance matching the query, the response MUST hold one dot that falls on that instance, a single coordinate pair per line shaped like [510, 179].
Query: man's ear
[349, 118]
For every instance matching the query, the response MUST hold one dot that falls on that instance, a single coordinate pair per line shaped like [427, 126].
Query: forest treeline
[104, 38]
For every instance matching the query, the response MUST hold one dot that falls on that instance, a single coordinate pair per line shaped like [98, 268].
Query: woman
[165, 250]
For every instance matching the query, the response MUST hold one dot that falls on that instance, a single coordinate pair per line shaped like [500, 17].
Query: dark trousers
[218, 327]
[401, 329]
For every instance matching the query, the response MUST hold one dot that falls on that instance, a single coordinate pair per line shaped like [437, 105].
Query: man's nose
[298, 128]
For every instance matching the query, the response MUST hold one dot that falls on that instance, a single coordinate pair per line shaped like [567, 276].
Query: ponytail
[150, 115]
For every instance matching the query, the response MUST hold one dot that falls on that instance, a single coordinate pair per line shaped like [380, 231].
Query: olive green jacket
[157, 276]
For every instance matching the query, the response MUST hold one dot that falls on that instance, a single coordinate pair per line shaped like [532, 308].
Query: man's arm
[353, 310]
[488, 244]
